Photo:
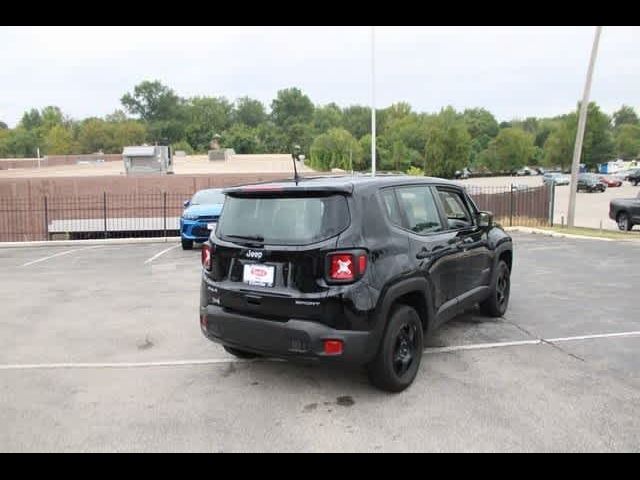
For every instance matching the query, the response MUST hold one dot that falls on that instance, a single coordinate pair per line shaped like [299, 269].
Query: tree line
[330, 136]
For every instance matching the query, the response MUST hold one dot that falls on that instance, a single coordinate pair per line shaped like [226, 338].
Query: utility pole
[582, 122]
[373, 101]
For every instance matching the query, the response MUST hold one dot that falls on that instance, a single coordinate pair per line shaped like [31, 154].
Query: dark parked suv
[352, 269]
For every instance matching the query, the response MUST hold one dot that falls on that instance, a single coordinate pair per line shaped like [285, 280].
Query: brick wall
[22, 201]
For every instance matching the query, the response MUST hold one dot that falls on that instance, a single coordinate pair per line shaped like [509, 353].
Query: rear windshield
[284, 221]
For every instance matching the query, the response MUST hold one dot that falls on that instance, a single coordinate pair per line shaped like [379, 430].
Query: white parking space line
[487, 346]
[171, 363]
[480, 346]
[592, 337]
[158, 255]
[223, 361]
[59, 254]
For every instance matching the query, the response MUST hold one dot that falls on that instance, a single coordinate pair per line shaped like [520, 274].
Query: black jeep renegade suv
[354, 269]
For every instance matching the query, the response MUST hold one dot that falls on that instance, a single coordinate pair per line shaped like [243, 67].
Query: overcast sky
[513, 71]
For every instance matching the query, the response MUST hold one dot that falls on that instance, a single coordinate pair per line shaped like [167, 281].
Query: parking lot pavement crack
[519, 327]
[557, 347]
[542, 340]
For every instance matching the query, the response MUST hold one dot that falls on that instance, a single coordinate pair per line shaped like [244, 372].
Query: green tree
[5, 136]
[290, 107]
[448, 144]
[480, 123]
[160, 107]
[365, 146]
[409, 129]
[3, 126]
[31, 119]
[117, 116]
[184, 146]
[529, 125]
[625, 116]
[271, 139]
[545, 127]
[401, 158]
[249, 112]
[335, 149]
[51, 117]
[327, 117]
[59, 141]
[21, 143]
[152, 101]
[478, 145]
[559, 146]
[598, 139]
[126, 133]
[300, 134]
[241, 138]
[357, 120]
[206, 117]
[512, 149]
[598, 146]
[94, 135]
[628, 141]
[396, 111]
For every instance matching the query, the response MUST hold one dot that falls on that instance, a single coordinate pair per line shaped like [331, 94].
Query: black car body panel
[439, 273]
[627, 206]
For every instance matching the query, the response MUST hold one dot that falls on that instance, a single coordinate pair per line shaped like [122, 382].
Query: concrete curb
[77, 243]
[548, 233]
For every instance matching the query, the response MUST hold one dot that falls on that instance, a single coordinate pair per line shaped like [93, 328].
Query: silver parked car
[556, 178]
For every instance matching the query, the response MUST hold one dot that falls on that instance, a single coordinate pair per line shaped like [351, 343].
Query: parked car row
[590, 182]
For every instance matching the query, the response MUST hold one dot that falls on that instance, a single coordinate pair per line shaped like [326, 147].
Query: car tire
[398, 359]
[624, 222]
[498, 301]
[187, 244]
[240, 353]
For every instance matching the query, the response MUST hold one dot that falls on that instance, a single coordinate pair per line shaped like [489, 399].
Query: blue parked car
[200, 216]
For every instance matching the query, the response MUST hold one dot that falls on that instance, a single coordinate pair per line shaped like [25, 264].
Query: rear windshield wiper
[255, 238]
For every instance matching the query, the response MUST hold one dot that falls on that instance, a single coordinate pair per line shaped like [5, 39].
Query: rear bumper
[291, 339]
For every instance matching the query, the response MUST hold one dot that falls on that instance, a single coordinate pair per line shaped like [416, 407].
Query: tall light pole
[582, 122]
[373, 101]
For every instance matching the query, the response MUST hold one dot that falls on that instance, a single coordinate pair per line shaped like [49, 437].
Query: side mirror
[485, 219]
[187, 203]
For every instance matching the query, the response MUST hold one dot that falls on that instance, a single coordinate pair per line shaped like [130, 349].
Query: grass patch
[594, 232]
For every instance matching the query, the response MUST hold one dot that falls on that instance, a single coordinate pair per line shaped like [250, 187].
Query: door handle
[422, 254]
[426, 253]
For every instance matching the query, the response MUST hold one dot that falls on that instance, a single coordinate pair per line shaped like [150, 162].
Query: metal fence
[516, 205]
[89, 217]
[158, 214]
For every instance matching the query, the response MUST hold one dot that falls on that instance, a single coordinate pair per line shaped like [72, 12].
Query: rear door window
[419, 208]
[284, 221]
[391, 206]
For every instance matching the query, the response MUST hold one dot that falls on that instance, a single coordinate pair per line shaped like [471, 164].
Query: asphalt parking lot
[592, 209]
[100, 350]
